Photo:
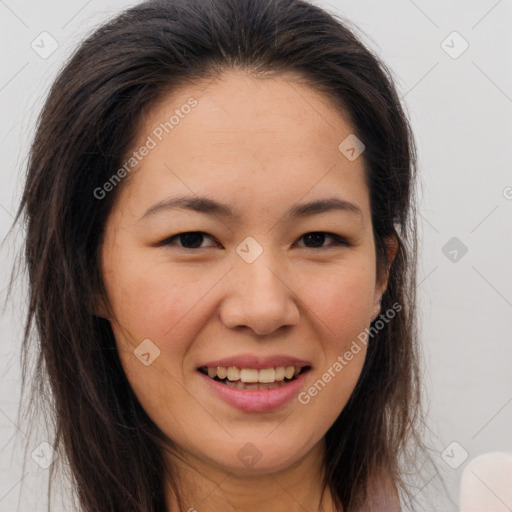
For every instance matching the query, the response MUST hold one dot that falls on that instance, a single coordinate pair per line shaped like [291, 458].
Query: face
[267, 287]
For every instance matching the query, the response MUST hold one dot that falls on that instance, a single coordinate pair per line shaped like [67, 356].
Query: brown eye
[193, 240]
[188, 240]
[317, 238]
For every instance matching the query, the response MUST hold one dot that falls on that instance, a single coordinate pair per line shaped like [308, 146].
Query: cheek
[342, 308]
[155, 300]
[342, 301]
[154, 309]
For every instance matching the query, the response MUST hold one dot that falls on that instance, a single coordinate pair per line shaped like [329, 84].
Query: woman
[204, 346]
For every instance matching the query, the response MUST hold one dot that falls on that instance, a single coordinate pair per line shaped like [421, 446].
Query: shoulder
[382, 495]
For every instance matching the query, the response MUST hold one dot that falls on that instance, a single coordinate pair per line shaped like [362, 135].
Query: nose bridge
[258, 295]
[263, 278]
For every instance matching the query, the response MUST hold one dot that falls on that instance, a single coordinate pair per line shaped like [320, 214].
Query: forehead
[240, 137]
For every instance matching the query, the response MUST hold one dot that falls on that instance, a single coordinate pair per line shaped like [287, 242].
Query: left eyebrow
[209, 206]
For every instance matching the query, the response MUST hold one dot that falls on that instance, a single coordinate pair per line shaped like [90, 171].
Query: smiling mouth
[253, 379]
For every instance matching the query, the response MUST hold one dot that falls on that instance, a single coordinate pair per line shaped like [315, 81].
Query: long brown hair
[88, 125]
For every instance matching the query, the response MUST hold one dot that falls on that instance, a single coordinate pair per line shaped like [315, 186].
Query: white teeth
[267, 375]
[247, 375]
[289, 372]
[233, 373]
[280, 373]
[252, 375]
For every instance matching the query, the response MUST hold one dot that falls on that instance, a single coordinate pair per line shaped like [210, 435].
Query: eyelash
[339, 241]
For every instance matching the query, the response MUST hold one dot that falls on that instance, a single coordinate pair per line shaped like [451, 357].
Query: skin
[260, 145]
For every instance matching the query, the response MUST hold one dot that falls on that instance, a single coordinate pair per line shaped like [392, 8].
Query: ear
[381, 285]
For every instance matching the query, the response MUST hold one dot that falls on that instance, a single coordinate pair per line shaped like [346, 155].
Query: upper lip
[257, 362]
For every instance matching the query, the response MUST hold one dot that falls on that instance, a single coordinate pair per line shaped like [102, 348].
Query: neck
[206, 487]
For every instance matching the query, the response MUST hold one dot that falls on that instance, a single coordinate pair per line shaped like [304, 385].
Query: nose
[259, 298]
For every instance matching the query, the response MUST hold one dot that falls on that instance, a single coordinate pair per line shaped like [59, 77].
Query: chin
[259, 456]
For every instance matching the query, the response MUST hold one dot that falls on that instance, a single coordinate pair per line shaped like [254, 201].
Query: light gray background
[461, 112]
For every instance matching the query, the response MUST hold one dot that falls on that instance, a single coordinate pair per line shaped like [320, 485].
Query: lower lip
[257, 400]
